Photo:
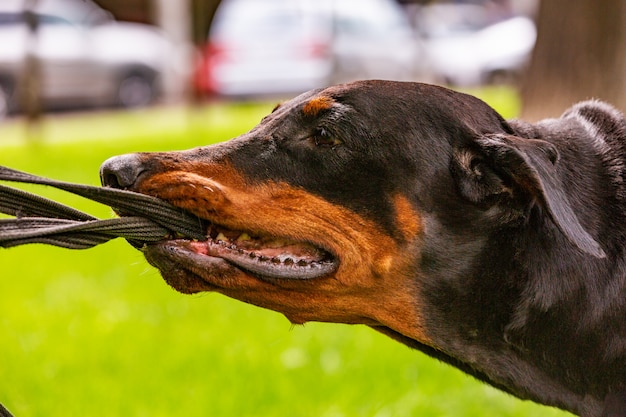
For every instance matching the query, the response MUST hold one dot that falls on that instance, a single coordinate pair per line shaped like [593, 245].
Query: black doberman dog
[495, 246]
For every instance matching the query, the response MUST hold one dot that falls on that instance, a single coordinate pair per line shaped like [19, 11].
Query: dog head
[344, 203]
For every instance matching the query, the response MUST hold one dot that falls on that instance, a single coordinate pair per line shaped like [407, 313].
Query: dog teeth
[243, 237]
[248, 251]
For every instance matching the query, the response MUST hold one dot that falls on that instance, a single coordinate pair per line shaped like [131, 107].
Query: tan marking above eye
[317, 105]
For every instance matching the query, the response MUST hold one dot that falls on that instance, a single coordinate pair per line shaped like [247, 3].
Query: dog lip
[283, 265]
[269, 256]
[315, 263]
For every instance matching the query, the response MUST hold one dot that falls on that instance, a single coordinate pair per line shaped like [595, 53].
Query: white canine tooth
[221, 237]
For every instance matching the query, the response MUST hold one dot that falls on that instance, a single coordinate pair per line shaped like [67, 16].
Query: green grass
[98, 333]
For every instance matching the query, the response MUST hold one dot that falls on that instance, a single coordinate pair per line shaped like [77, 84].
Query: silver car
[471, 44]
[84, 56]
[259, 47]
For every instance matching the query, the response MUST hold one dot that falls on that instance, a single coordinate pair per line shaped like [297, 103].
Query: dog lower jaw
[185, 278]
[269, 258]
[192, 266]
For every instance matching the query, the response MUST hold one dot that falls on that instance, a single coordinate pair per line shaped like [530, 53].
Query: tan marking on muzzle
[374, 283]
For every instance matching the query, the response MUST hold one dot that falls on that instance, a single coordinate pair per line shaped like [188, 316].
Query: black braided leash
[41, 220]
[4, 412]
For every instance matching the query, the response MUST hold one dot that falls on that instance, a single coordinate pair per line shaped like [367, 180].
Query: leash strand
[41, 220]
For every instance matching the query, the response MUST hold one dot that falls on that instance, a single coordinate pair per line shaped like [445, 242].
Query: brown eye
[322, 138]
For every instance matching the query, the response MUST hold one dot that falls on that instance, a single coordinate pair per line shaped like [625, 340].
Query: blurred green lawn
[98, 333]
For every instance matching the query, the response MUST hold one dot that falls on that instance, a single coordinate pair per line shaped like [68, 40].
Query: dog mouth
[263, 255]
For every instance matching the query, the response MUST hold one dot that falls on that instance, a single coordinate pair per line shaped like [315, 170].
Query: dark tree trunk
[580, 54]
[203, 12]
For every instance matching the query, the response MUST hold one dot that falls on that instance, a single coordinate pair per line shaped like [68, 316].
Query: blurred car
[84, 56]
[472, 44]
[258, 47]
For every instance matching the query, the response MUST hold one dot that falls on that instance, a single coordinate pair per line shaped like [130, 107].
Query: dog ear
[496, 168]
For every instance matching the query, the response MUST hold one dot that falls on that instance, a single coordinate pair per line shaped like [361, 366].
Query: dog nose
[121, 171]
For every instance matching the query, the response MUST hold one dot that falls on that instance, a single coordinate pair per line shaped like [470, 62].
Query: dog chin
[185, 270]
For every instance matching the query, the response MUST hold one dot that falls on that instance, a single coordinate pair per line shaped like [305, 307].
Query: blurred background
[58, 54]
[98, 332]
[82, 53]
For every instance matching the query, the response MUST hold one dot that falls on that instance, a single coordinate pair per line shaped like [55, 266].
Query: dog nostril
[121, 171]
[111, 180]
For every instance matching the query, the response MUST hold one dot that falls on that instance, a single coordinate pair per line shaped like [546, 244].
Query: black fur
[521, 264]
